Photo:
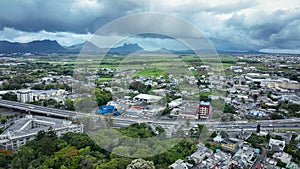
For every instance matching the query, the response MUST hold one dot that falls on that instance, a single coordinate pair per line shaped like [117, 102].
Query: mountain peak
[37, 46]
[126, 49]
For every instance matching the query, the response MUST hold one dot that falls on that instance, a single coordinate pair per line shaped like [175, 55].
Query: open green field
[105, 79]
[151, 72]
[205, 94]
[146, 64]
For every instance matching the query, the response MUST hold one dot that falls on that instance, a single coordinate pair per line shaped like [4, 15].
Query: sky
[237, 25]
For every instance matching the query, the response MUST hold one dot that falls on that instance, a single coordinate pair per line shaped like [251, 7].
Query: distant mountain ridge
[126, 49]
[40, 46]
[91, 48]
[52, 46]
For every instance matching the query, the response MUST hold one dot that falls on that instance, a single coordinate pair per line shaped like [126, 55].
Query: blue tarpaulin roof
[106, 109]
[116, 113]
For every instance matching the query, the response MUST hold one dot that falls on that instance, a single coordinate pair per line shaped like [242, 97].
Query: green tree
[139, 86]
[281, 164]
[256, 140]
[140, 163]
[166, 111]
[23, 158]
[86, 163]
[5, 159]
[275, 116]
[102, 97]
[86, 105]
[277, 137]
[229, 109]
[115, 163]
[10, 96]
[69, 104]
[213, 134]
[79, 140]
[255, 97]
[38, 87]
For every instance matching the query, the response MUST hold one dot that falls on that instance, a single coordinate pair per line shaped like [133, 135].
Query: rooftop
[202, 103]
[32, 124]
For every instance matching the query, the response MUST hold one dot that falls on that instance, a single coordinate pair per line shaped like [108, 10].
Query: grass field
[151, 72]
[146, 64]
[105, 79]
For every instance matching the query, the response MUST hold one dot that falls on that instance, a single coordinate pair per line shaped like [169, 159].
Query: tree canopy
[75, 150]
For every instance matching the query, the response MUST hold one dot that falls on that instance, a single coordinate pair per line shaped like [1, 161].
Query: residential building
[147, 98]
[25, 129]
[276, 145]
[180, 164]
[204, 109]
[25, 96]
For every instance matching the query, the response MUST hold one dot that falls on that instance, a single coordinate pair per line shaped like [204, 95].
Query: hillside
[43, 46]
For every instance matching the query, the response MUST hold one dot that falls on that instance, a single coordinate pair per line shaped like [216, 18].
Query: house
[292, 165]
[283, 157]
[133, 113]
[201, 153]
[218, 138]
[220, 160]
[175, 103]
[231, 145]
[180, 164]
[298, 146]
[276, 145]
[147, 98]
[244, 156]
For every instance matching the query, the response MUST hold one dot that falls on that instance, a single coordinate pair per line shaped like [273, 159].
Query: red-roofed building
[204, 109]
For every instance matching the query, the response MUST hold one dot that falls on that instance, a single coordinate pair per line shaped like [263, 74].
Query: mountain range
[44, 46]
[52, 46]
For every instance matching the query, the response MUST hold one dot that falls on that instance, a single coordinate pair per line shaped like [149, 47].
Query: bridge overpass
[37, 109]
[122, 121]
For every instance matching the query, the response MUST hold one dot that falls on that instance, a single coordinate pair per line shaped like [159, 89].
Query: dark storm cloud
[232, 7]
[151, 35]
[78, 16]
[235, 25]
[288, 37]
[265, 25]
[279, 29]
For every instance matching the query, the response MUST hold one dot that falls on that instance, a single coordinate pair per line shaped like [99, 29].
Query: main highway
[37, 109]
[122, 121]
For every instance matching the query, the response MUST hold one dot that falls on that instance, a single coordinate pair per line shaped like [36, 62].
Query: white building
[175, 103]
[25, 96]
[180, 164]
[147, 98]
[282, 156]
[276, 145]
[25, 129]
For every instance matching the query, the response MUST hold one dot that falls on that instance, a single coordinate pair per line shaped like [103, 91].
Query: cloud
[78, 16]
[64, 38]
[232, 6]
[278, 29]
[235, 25]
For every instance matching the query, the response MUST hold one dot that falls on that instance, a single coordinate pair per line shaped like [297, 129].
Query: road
[121, 121]
[37, 109]
[260, 158]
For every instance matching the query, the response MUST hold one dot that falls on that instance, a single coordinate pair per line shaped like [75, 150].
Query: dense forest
[78, 150]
